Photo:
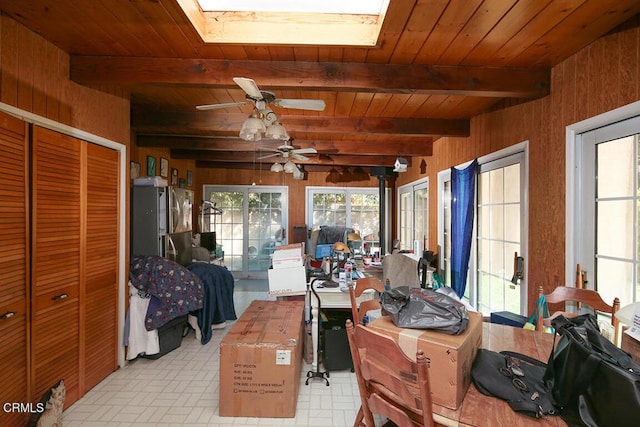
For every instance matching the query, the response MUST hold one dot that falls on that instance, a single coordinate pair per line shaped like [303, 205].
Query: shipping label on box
[287, 281]
[261, 361]
[450, 356]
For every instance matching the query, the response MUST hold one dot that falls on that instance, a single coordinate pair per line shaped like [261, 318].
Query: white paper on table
[634, 328]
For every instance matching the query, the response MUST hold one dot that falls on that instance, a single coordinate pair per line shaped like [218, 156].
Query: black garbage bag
[419, 308]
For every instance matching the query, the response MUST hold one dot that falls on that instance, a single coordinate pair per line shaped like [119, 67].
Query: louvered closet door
[56, 261]
[13, 267]
[99, 289]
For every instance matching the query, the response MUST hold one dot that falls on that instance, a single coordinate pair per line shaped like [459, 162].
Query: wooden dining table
[479, 410]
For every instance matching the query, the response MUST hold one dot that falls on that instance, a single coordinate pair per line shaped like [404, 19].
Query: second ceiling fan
[287, 152]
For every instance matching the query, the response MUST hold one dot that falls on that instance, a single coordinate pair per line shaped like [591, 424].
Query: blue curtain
[463, 189]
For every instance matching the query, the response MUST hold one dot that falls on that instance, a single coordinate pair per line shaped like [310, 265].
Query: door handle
[59, 297]
[7, 315]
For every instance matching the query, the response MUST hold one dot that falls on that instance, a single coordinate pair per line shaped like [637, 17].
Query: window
[413, 216]
[251, 225]
[357, 208]
[607, 205]
[499, 231]
[327, 22]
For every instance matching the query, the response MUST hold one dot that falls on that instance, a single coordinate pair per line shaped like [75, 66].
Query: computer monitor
[324, 251]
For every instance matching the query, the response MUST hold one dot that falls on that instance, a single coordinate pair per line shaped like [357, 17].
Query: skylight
[354, 7]
[293, 22]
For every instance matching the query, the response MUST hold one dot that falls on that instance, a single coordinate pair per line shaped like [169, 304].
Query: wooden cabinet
[14, 309]
[57, 233]
[59, 261]
[99, 334]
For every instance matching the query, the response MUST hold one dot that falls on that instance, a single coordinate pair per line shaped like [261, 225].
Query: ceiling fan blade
[301, 104]
[268, 149]
[268, 156]
[305, 151]
[299, 157]
[219, 106]
[249, 86]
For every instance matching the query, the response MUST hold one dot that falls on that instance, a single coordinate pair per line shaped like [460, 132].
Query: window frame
[311, 190]
[411, 189]
[497, 159]
[574, 218]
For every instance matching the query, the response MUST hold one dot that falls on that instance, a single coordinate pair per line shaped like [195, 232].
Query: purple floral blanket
[174, 290]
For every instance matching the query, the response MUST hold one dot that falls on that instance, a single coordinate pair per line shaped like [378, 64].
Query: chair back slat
[356, 291]
[564, 294]
[390, 383]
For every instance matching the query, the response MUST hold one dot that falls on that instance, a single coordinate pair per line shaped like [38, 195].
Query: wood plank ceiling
[437, 63]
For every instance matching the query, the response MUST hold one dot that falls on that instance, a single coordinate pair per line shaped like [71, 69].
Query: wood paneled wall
[603, 76]
[34, 76]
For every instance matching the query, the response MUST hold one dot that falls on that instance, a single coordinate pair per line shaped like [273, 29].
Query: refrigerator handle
[173, 253]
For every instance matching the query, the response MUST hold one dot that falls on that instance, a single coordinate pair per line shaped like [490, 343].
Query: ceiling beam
[230, 157]
[366, 170]
[204, 122]
[422, 147]
[321, 76]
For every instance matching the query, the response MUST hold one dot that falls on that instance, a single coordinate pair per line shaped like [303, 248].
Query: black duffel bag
[516, 378]
[418, 308]
[593, 382]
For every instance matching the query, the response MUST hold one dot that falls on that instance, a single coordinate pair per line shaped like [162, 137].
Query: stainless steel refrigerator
[161, 222]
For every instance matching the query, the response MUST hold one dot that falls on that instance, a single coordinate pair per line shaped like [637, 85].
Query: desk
[480, 410]
[329, 298]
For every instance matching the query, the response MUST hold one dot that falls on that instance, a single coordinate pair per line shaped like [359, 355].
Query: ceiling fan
[287, 152]
[262, 97]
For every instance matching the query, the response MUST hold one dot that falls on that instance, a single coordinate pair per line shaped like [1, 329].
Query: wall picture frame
[151, 166]
[164, 167]
[189, 178]
[134, 170]
[174, 176]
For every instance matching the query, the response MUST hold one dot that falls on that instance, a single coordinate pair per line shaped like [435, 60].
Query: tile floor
[182, 387]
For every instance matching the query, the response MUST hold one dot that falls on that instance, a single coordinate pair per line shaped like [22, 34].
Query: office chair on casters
[562, 294]
[390, 383]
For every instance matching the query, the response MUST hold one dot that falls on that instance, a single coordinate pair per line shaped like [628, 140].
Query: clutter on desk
[418, 308]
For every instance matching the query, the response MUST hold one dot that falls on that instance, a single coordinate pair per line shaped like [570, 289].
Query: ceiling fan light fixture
[277, 131]
[290, 167]
[276, 167]
[252, 129]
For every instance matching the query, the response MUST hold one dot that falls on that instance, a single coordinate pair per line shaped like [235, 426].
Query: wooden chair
[562, 294]
[390, 383]
[355, 291]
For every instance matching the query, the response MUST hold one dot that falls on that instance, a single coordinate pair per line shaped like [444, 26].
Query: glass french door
[413, 216]
[499, 227]
[252, 224]
[609, 207]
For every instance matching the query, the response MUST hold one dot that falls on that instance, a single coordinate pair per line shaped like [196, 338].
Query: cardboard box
[450, 356]
[261, 361]
[286, 256]
[287, 281]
